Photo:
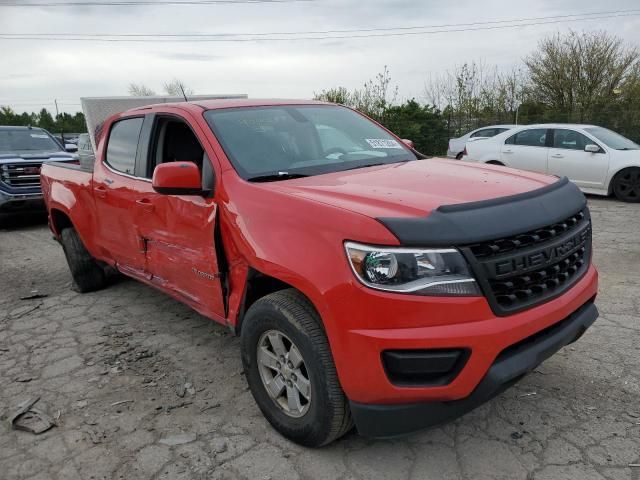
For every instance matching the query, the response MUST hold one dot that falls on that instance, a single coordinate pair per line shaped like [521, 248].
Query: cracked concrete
[147, 388]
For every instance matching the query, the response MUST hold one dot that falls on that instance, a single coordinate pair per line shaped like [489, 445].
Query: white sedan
[456, 145]
[597, 160]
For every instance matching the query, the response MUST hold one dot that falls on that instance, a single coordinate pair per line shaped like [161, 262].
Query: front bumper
[381, 421]
[20, 201]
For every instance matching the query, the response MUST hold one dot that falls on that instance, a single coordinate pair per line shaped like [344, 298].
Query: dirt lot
[145, 387]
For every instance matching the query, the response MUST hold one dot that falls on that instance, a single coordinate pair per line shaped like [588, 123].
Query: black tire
[626, 185]
[328, 416]
[459, 156]
[495, 162]
[87, 274]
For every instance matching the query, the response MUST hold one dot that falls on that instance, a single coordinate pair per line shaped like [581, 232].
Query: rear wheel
[87, 274]
[290, 370]
[626, 185]
[495, 162]
[459, 156]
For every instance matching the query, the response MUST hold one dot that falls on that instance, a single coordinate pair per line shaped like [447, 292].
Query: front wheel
[626, 185]
[290, 370]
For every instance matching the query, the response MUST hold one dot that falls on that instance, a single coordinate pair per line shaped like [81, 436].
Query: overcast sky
[33, 73]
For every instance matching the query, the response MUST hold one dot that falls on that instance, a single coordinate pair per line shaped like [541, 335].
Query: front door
[179, 230]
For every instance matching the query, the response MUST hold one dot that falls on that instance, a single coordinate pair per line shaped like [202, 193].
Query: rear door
[527, 149]
[116, 191]
[179, 230]
[567, 158]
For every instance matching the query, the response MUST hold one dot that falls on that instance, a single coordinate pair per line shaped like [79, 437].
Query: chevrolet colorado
[369, 285]
[23, 150]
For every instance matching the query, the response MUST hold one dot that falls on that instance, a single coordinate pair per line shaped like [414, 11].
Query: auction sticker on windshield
[383, 143]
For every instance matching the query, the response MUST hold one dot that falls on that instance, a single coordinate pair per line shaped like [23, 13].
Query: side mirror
[408, 143]
[70, 147]
[592, 148]
[177, 178]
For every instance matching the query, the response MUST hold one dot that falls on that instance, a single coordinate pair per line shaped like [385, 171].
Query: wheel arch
[617, 172]
[59, 221]
[258, 285]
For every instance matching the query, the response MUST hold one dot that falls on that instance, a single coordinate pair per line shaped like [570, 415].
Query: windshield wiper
[364, 166]
[270, 177]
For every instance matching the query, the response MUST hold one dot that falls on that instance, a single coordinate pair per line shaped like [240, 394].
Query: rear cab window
[122, 145]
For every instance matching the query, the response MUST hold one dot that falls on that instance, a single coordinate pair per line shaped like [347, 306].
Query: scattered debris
[82, 403]
[633, 414]
[516, 435]
[209, 407]
[528, 394]
[637, 465]
[219, 445]
[95, 437]
[23, 378]
[178, 405]
[31, 419]
[21, 312]
[179, 439]
[34, 295]
[4, 348]
[121, 402]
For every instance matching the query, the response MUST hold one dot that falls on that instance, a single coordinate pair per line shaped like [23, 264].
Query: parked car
[456, 145]
[23, 150]
[85, 150]
[598, 160]
[368, 284]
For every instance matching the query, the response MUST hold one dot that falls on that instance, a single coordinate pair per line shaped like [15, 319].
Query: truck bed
[65, 188]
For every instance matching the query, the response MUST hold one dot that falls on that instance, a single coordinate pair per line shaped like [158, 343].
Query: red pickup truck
[370, 285]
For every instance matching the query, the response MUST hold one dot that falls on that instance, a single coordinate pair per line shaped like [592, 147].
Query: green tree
[45, 120]
[424, 125]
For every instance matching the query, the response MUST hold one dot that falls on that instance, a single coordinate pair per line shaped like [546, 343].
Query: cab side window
[174, 141]
[569, 140]
[123, 144]
[536, 137]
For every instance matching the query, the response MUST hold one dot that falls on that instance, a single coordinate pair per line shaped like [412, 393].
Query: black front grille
[21, 175]
[527, 269]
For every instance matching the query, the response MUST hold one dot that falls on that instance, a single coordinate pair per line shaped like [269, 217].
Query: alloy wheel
[283, 373]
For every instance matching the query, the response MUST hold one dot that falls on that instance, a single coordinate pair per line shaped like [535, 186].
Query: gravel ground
[146, 388]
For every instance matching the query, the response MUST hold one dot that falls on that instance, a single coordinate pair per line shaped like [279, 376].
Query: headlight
[408, 270]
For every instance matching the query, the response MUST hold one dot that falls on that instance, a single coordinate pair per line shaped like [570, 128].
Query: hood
[31, 155]
[413, 188]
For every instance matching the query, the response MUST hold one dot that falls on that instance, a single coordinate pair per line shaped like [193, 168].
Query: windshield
[291, 141]
[612, 139]
[25, 140]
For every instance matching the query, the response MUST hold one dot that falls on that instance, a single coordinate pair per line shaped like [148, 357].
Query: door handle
[145, 205]
[508, 151]
[100, 192]
[557, 155]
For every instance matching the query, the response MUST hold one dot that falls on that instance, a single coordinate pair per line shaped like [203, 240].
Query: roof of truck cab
[246, 102]
[18, 127]
[234, 102]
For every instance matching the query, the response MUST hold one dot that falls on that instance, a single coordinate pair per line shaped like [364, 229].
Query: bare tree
[374, 98]
[177, 87]
[574, 72]
[140, 90]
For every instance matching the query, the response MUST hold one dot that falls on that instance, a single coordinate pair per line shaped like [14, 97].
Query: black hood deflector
[473, 222]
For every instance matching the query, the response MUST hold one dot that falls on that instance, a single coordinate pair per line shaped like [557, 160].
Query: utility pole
[55, 101]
